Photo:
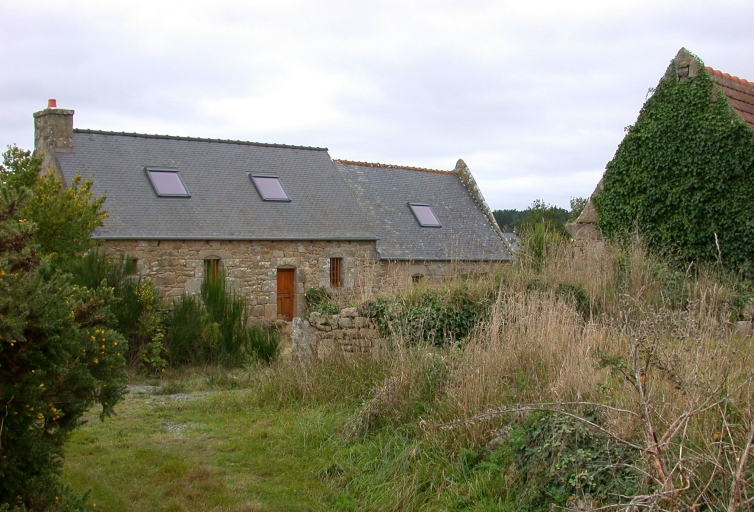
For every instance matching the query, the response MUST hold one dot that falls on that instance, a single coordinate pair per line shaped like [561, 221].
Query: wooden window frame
[212, 267]
[336, 272]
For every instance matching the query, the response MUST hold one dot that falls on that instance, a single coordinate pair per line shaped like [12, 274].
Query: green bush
[263, 342]
[59, 355]
[215, 329]
[138, 312]
[319, 299]
[541, 213]
[560, 459]
[65, 216]
[538, 244]
[439, 317]
[192, 336]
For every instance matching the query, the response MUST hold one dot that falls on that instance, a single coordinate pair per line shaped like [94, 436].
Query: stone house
[279, 219]
[737, 92]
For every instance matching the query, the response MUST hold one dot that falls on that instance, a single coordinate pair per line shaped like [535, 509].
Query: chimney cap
[52, 103]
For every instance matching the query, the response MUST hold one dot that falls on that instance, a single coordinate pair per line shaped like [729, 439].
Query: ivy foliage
[561, 460]
[683, 176]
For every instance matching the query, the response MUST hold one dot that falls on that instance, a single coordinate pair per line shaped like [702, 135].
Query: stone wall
[177, 266]
[385, 277]
[320, 336]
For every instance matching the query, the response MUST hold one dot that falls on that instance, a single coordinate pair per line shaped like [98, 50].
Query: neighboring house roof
[740, 93]
[224, 203]
[384, 193]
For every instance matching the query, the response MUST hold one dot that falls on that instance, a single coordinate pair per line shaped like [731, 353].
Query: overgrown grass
[555, 397]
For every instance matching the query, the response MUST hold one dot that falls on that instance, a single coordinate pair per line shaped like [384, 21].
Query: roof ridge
[729, 76]
[389, 166]
[198, 139]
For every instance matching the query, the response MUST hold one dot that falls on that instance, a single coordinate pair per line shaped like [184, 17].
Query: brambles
[441, 316]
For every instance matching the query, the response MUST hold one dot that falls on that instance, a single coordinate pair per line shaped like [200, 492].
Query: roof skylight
[424, 215]
[269, 187]
[167, 182]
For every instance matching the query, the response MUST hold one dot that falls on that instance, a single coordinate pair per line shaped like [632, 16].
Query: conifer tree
[59, 355]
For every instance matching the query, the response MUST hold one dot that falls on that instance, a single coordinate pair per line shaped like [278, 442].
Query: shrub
[538, 244]
[59, 355]
[560, 459]
[215, 329]
[263, 342]
[440, 317]
[192, 336]
[64, 216]
[319, 299]
[138, 313]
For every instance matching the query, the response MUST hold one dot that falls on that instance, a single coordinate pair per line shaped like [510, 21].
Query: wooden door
[285, 292]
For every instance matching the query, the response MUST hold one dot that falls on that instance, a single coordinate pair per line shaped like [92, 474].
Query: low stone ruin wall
[320, 336]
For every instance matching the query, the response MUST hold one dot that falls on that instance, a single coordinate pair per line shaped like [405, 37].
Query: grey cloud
[543, 98]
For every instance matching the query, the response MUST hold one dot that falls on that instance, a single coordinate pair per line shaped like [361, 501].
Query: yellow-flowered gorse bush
[60, 352]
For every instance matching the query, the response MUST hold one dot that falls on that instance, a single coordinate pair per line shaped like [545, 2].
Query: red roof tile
[388, 166]
[740, 93]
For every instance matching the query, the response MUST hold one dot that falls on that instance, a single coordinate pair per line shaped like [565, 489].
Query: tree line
[539, 212]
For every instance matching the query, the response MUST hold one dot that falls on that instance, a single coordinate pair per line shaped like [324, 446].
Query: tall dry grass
[591, 327]
[656, 353]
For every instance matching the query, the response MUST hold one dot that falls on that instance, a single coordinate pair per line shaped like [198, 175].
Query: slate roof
[384, 191]
[224, 205]
[740, 93]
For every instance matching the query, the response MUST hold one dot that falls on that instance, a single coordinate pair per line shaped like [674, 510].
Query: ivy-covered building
[683, 176]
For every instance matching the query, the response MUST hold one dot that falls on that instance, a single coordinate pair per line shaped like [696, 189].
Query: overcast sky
[533, 95]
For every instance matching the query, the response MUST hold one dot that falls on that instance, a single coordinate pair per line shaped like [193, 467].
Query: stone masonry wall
[320, 336]
[177, 266]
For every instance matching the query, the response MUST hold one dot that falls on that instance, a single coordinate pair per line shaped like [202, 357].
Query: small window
[269, 187]
[424, 215]
[167, 182]
[131, 266]
[335, 272]
[212, 268]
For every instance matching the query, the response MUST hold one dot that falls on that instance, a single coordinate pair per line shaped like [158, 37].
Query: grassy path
[211, 450]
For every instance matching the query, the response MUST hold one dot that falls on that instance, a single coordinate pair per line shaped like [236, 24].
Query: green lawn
[204, 451]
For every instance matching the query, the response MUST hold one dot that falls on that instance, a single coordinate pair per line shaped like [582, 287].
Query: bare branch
[2, 421]
[735, 487]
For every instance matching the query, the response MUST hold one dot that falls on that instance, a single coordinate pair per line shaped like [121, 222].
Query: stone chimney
[53, 133]
[686, 66]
